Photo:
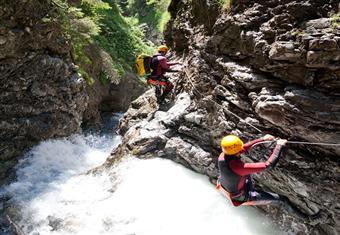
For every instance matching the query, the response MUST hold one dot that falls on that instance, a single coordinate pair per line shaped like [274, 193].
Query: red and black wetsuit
[235, 175]
[160, 66]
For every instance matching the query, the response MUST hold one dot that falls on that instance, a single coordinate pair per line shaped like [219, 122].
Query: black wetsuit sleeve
[274, 158]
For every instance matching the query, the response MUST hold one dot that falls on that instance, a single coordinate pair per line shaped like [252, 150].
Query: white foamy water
[140, 197]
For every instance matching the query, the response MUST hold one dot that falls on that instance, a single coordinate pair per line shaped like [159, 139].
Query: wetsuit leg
[249, 185]
[155, 82]
[158, 90]
[168, 88]
[260, 195]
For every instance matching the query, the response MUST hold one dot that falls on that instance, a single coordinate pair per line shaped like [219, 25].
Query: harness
[228, 182]
[156, 82]
[246, 202]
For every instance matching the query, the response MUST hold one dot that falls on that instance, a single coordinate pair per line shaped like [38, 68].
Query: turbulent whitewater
[55, 194]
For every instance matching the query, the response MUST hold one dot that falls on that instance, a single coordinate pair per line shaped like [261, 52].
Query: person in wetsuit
[160, 65]
[234, 175]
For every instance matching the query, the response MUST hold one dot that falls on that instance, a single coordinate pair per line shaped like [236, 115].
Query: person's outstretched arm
[274, 157]
[247, 146]
[243, 169]
[172, 71]
[172, 63]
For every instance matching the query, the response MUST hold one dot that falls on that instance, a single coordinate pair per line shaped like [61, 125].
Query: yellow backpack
[143, 65]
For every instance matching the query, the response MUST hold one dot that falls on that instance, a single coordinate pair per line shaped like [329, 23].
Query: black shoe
[161, 100]
[158, 91]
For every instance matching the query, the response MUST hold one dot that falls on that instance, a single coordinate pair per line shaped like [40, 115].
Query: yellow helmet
[163, 48]
[231, 144]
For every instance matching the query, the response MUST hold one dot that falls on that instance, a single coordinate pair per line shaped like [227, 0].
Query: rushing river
[54, 194]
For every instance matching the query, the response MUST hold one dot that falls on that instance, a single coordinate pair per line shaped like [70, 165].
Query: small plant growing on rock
[335, 20]
[226, 5]
[296, 33]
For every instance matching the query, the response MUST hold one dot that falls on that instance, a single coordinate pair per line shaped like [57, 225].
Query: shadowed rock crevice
[267, 67]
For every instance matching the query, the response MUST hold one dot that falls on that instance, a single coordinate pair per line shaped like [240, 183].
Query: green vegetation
[226, 5]
[120, 37]
[100, 22]
[151, 12]
[335, 20]
[296, 33]
[164, 20]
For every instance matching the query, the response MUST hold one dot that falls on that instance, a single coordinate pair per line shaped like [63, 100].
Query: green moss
[89, 80]
[335, 20]
[296, 33]
[103, 78]
[226, 5]
[163, 21]
[135, 152]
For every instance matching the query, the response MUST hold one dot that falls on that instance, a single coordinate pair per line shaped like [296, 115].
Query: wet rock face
[288, 85]
[268, 67]
[200, 13]
[41, 95]
[190, 132]
[110, 98]
[295, 42]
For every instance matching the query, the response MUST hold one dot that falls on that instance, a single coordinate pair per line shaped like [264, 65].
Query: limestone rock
[266, 67]
[42, 94]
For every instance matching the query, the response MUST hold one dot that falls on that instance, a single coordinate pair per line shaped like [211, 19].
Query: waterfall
[55, 194]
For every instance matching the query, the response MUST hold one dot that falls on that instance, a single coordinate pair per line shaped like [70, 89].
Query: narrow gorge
[249, 68]
[262, 68]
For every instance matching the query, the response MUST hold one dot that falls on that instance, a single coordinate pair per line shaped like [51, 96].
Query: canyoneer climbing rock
[159, 67]
[234, 180]
[143, 66]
